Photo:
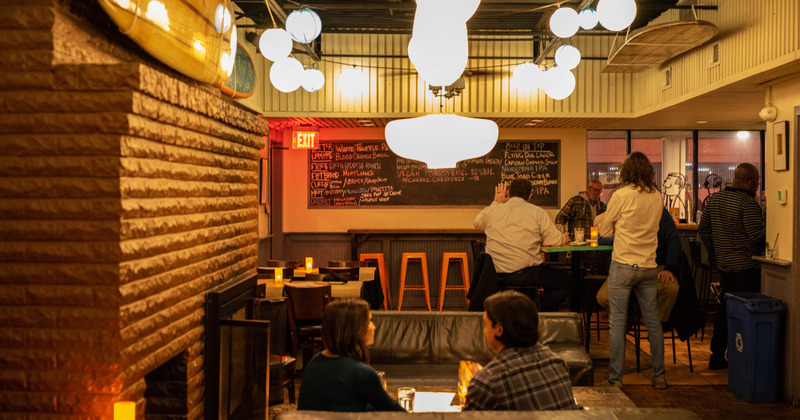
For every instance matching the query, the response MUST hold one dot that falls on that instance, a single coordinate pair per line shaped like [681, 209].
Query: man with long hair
[632, 217]
[524, 375]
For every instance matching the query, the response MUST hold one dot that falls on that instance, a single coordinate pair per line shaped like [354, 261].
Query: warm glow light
[593, 233]
[564, 22]
[309, 264]
[124, 410]
[568, 57]
[616, 15]
[123, 3]
[275, 44]
[441, 140]
[587, 18]
[312, 80]
[438, 47]
[157, 13]
[222, 18]
[527, 77]
[279, 276]
[352, 82]
[742, 135]
[304, 25]
[285, 74]
[558, 83]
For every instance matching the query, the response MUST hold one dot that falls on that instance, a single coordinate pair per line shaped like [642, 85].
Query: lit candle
[309, 264]
[593, 231]
[279, 276]
[125, 410]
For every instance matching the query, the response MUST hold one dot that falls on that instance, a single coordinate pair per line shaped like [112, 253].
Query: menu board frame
[516, 154]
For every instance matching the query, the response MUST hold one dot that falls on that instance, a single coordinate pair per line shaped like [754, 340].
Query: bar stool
[383, 272]
[461, 258]
[403, 268]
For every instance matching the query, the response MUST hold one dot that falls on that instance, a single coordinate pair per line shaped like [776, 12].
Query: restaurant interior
[169, 178]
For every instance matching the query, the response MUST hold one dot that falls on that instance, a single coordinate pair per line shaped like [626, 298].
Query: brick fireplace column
[126, 192]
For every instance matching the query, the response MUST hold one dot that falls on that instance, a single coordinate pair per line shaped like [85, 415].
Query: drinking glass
[578, 234]
[405, 395]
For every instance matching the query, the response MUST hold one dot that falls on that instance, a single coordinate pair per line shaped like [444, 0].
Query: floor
[700, 390]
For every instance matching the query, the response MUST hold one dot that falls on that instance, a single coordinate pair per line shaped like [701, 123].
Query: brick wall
[126, 192]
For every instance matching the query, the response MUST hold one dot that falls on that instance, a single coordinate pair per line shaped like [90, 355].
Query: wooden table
[577, 274]
[338, 289]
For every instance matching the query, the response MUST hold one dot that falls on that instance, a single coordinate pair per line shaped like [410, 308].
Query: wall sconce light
[352, 82]
[124, 410]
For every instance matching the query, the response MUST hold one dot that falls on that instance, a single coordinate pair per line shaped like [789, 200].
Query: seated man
[668, 258]
[515, 232]
[524, 375]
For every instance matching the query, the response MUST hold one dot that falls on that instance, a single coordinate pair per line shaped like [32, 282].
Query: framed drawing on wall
[780, 145]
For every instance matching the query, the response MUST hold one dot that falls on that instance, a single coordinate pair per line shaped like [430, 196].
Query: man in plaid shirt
[524, 375]
[580, 210]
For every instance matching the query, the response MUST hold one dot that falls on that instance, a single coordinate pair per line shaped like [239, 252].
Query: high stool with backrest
[383, 272]
[459, 257]
[423, 258]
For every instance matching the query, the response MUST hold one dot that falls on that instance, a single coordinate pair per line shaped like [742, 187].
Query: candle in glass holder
[309, 264]
[124, 410]
[593, 231]
[279, 276]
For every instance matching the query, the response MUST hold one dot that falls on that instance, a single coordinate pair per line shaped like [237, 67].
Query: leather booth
[423, 349]
[616, 413]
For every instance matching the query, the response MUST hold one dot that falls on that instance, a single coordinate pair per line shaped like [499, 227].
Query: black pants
[747, 281]
[557, 284]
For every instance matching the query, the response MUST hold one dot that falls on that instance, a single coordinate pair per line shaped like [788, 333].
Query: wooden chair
[708, 301]
[306, 303]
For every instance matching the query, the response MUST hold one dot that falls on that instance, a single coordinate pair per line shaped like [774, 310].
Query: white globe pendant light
[558, 83]
[564, 22]
[275, 44]
[312, 80]
[441, 140]
[352, 82]
[568, 57]
[286, 74]
[527, 77]
[616, 15]
[304, 25]
[587, 18]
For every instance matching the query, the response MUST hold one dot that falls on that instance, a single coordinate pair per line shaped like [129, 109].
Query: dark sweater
[343, 384]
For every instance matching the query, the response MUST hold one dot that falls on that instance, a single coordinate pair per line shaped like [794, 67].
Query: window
[719, 153]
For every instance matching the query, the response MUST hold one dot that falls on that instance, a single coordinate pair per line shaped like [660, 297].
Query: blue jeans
[623, 278]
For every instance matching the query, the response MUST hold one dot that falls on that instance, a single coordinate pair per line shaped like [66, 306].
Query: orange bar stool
[383, 272]
[407, 256]
[461, 258]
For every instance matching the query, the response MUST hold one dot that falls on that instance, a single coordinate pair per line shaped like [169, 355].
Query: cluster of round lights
[287, 73]
[614, 15]
[557, 82]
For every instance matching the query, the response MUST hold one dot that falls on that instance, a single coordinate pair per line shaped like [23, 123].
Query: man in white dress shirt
[515, 232]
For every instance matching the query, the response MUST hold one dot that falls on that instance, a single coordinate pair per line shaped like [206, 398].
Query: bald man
[732, 229]
[581, 209]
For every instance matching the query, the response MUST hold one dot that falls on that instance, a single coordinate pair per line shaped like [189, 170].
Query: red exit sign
[305, 139]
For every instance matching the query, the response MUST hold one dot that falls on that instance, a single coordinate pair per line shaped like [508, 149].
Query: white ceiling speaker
[768, 113]
[564, 22]
[616, 15]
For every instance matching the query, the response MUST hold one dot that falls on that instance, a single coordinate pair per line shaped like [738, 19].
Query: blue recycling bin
[753, 331]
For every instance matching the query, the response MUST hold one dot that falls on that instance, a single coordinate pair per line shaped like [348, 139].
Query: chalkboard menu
[367, 173]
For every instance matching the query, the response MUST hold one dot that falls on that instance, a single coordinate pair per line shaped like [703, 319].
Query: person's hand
[665, 277]
[500, 193]
[566, 238]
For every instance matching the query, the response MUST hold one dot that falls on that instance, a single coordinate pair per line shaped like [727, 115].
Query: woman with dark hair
[339, 378]
[632, 218]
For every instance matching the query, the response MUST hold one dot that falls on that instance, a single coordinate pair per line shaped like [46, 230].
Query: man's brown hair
[517, 314]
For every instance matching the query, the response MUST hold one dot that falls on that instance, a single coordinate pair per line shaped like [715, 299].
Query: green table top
[565, 248]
